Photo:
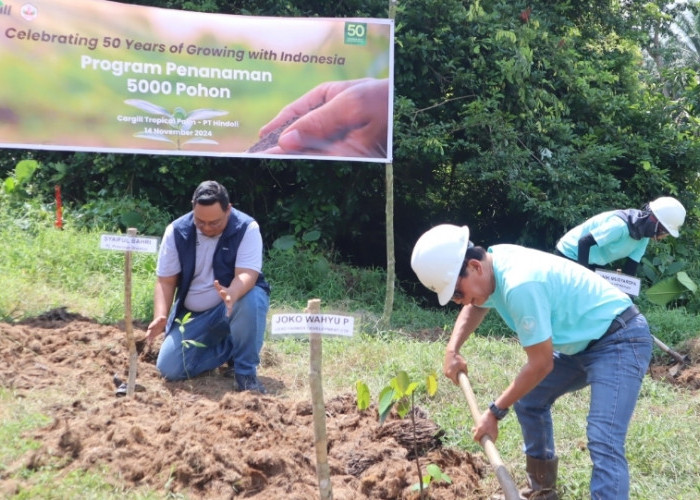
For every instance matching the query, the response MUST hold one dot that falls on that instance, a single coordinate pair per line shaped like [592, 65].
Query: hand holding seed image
[340, 118]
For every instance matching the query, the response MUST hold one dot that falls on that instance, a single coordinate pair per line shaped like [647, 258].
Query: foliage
[186, 343]
[400, 393]
[43, 268]
[22, 208]
[120, 214]
[519, 118]
[299, 274]
[670, 289]
[18, 184]
[673, 269]
[433, 473]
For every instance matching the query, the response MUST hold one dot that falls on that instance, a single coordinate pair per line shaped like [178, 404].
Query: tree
[518, 118]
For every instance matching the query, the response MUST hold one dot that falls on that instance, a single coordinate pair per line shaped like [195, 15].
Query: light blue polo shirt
[540, 295]
[613, 238]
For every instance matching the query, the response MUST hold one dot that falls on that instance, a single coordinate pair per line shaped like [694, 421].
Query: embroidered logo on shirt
[527, 324]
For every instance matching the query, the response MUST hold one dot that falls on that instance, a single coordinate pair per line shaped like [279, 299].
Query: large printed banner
[94, 75]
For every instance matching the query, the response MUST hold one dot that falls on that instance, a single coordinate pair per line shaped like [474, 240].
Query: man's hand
[155, 328]
[453, 364]
[486, 426]
[344, 118]
[225, 295]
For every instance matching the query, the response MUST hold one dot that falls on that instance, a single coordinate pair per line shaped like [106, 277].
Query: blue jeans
[236, 339]
[614, 368]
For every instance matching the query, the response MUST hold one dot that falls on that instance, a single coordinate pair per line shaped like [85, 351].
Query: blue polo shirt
[612, 237]
[541, 296]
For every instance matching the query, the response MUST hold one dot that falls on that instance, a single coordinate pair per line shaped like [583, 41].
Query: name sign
[300, 323]
[129, 243]
[628, 284]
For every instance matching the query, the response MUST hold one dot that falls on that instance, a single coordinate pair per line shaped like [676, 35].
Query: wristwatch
[497, 412]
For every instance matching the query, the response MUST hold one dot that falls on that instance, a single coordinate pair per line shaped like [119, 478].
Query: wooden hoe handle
[504, 479]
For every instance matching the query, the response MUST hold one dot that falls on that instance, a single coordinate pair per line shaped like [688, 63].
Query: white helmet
[437, 258]
[670, 213]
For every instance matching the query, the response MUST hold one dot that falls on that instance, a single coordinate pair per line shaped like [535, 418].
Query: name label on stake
[146, 244]
[299, 323]
[628, 284]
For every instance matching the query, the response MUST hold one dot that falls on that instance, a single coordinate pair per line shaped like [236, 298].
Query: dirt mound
[685, 374]
[199, 436]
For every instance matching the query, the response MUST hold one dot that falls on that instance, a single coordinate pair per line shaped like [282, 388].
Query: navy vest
[224, 255]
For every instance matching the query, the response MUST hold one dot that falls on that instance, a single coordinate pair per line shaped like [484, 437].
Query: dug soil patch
[200, 438]
[686, 374]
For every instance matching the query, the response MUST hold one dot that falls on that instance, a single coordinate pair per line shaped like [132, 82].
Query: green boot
[541, 479]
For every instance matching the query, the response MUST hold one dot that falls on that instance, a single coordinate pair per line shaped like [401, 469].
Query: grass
[44, 268]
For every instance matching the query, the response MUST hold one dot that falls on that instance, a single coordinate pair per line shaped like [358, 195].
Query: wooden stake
[133, 356]
[313, 306]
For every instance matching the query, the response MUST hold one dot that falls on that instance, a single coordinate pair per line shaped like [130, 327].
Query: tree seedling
[401, 393]
[186, 343]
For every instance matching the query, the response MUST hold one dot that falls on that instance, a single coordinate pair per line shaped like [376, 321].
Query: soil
[202, 439]
[199, 437]
[685, 374]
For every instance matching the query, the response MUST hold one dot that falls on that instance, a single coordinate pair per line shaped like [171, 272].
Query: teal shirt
[541, 296]
[613, 238]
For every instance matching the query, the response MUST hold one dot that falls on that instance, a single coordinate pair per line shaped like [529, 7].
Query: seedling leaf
[437, 474]
[411, 387]
[386, 401]
[403, 407]
[153, 137]
[400, 383]
[425, 480]
[182, 322]
[205, 113]
[363, 398]
[190, 343]
[431, 384]
[149, 107]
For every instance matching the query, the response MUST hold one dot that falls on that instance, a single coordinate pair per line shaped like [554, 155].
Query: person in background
[577, 330]
[210, 263]
[618, 234]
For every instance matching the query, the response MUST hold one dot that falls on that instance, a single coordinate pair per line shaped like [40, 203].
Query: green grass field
[46, 268]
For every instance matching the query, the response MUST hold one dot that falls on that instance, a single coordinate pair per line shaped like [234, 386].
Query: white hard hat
[670, 213]
[437, 258]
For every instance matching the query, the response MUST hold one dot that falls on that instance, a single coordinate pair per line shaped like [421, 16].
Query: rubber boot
[541, 479]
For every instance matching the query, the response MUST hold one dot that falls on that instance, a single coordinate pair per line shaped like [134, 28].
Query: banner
[100, 76]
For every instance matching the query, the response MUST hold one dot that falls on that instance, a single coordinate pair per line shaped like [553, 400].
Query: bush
[119, 214]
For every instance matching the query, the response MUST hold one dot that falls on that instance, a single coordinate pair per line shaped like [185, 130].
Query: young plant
[186, 343]
[401, 392]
